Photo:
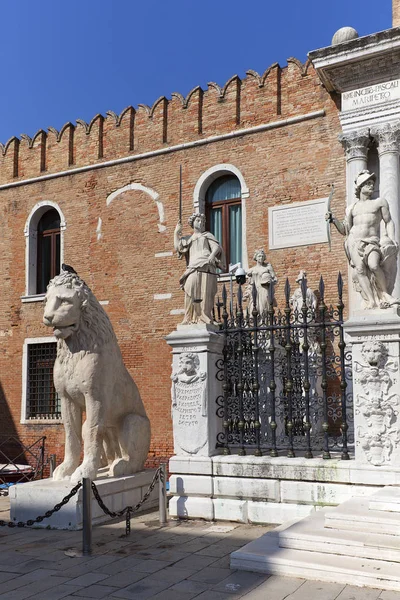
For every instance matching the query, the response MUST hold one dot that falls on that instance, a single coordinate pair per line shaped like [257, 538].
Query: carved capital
[355, 143]
[387, 137]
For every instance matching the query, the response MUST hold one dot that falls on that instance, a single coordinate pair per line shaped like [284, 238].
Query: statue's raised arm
[371, 255]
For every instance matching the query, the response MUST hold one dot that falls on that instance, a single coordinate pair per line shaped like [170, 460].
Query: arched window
[224, 215]
[48, 249]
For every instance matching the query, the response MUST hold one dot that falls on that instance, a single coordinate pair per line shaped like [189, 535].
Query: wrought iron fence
[20, 462]
[285, 374]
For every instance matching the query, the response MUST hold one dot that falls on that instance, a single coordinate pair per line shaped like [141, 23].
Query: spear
[328, 224]
[180, 194]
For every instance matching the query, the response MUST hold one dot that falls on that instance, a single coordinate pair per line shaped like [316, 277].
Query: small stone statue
[371, 255]
[296, 302]
[204, 256]
[262, 275]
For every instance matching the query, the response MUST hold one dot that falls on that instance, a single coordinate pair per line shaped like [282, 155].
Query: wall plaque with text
[371, 95]
[297, 224]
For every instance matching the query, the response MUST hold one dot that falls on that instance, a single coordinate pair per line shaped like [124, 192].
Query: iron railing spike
[321, 288]
[224, 295]
[240, 296]
[287, 290]
[340, 284]
[254, 294]
[303, 286]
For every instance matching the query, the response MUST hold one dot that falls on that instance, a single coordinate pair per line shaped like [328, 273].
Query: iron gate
[285, 375]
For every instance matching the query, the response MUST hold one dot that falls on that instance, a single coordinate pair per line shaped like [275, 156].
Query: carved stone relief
[189, 405]
[377, 403]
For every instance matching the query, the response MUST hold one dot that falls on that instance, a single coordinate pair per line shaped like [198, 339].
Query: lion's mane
[95, 329]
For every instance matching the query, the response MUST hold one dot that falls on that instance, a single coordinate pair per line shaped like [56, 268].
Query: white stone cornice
[355, 143]
[387, 137]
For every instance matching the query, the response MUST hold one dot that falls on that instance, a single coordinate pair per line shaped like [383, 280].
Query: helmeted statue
[372, 255]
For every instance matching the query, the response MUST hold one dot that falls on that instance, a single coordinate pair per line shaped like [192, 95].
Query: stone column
[387, 137]
[355, 144]
[194, 392]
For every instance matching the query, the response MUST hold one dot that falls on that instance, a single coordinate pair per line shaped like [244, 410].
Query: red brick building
[103, 197]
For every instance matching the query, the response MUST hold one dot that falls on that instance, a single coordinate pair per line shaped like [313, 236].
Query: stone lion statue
[90, 376]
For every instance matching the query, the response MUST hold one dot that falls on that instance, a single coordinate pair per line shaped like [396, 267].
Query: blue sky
[68, 59]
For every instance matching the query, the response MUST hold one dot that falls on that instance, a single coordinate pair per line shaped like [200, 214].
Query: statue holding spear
[204, 255]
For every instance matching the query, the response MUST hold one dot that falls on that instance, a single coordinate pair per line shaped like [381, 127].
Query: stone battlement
[240, 103]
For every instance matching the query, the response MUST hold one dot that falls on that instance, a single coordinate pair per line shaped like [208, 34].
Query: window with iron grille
[42, 399]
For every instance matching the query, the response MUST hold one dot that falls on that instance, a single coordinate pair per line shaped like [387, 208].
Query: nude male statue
[371, 255]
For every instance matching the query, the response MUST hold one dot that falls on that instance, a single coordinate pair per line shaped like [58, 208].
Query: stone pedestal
[374, 336]
[194, 392]
[29, 500]
[195, 388]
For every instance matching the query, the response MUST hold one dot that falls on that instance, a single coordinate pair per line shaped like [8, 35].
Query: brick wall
[289, 163]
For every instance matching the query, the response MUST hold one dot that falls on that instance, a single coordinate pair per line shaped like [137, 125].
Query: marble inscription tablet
[297, 224]
[371, 95]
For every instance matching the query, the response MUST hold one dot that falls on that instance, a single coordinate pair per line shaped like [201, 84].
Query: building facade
[104, 197]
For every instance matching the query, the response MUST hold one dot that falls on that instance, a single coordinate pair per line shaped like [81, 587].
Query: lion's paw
[84, 472]
[121, 467]
[63, 471]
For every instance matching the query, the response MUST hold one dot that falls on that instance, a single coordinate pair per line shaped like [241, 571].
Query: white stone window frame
[30, 233]
[199, 198]
[24, 397]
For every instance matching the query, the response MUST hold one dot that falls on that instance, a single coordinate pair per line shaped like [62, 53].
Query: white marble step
[387, 499]
[355, 515]
[311, 535]
[266, 556]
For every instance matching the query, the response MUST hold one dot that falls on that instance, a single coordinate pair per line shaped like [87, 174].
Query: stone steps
[311, 535]
[355, 515]
[266, 556]
[353, 543]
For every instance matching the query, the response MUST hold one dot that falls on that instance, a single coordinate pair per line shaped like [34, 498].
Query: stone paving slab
[182, 561]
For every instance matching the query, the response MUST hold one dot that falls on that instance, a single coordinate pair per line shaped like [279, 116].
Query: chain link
[128, 510]
[46, 515]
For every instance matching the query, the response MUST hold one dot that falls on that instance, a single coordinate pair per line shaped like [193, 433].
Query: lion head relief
[74, 313]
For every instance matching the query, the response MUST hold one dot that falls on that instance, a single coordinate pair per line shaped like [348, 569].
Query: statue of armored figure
[371, 254]
[204, 255]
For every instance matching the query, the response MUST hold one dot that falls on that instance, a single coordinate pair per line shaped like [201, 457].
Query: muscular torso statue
[371, 254]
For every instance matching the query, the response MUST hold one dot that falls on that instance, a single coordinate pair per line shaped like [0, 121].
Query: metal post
[162, 498]
[52, 461]
[87, 516]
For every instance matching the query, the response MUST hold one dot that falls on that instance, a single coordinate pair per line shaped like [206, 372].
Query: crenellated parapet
[254, 100]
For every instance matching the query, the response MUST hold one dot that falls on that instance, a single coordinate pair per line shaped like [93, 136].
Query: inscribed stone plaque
[297, 224]
[371, 95]
[189, 405]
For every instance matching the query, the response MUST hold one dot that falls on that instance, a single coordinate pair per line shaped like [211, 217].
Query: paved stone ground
[182, 561]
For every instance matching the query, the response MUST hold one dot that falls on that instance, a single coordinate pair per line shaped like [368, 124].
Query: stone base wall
[267, 490]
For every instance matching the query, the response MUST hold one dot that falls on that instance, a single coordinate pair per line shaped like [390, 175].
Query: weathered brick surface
[287, 164]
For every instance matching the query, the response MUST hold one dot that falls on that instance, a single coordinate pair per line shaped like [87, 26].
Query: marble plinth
[29, 500]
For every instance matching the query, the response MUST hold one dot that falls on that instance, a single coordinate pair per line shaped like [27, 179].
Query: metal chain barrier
[46, 515]
[128, 510]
